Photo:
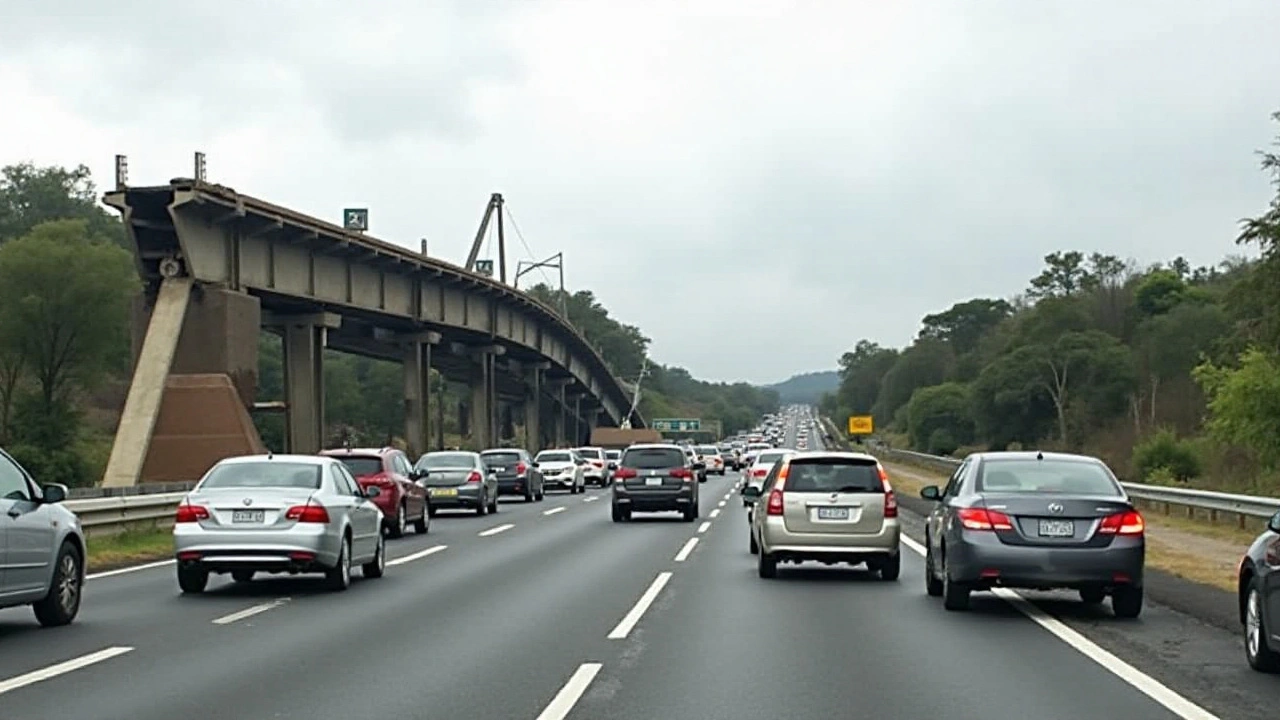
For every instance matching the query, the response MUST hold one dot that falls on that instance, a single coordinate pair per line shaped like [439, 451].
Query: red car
[402, 500]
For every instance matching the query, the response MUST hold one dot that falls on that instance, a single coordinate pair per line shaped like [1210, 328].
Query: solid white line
[1147, 685]
[130, 569]
[416, 556]
[553, 511]
[688, 548]
[629, 621]
[250, 612]
[704, 527]
[593, 498]
[61, 668]
[495, 530]
[573, 690]
[715, 513]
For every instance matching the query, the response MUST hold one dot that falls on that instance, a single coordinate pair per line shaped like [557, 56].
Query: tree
[31, 195]
[940, 417]
[1064, 274]
[1244, 403]
[964, 324]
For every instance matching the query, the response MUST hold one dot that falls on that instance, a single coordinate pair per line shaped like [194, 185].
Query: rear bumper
[564, 483]
[790, 546]
[981, 559]
[466, 498]
[512, 486]
[653, 500]
[304, 548]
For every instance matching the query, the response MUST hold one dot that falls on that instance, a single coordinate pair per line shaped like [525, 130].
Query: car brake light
[682, 473]
[1123, 523]
[984, 519]
[191, 513]
[624, 473]
[521, 468]
[307, 513]
[474, 477]
[759, 472]
[774, 507]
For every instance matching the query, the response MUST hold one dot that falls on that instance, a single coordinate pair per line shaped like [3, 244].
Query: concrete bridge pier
[533, 441]
[559, 415]
[575, 411]
[305, 337]
[484, 397]
[417, 383]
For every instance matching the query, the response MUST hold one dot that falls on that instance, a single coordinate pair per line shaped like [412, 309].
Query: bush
[942, 442]
[1165, 451]
[53, 466]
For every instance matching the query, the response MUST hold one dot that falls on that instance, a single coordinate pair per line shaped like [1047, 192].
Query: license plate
[248, 516]
[833, 513]
[653, 481]
[498, 470]
[443, 492]
[1057, 528]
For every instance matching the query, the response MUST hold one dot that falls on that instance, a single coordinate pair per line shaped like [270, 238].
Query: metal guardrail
[119, 512]
[1208, 502]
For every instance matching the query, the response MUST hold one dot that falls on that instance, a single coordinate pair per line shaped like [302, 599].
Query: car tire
[618, 514]
[891, 567]
[932, 583]
[376, 567]
[691, 513]
[338, 578]
[955, 595]
[62, 603]
[431, 512]
[1126, 602]
[493, 505]
[422, 525]
[242, 576]
[766, 565]
[752, 546]
[1256, 651]
[528, 493]
[1092, 596]
[542, 493]
[482, 508]
[192, 579]
[400, 522]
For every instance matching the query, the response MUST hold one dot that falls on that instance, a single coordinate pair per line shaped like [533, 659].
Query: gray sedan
[41, 547]
[278, 514]
[1034, 520]
[458, 479]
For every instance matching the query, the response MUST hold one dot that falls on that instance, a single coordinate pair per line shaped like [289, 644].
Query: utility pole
[494, 206]
[556, 261]
[635, 396]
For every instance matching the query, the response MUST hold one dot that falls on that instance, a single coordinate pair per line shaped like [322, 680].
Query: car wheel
[192, 579]
[528, 493]
[422, 525]
[766, 565]
[401, 521]
[618, 515]
[1260, 656]
[242, 576]
[62, 603]
[955, 595]
[1126, 601]
[752, 545]
[338, 578]
[431, 512]
[932, 585]
[691, 513]
[542, 493]
[378, 565]
[891, 567]
[483, 508]
[1092, 596]
[493, 505]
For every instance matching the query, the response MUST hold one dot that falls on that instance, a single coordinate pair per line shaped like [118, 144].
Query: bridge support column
[559, 411]
[304, 343]
[533, 407]
[484, 398]
[417, 382]
[575, 410]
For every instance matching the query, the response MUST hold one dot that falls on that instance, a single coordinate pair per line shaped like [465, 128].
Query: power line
[528, 251]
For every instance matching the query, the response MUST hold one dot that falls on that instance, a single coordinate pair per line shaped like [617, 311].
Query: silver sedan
[278, 514]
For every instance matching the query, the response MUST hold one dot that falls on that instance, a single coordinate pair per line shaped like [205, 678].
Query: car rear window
[704, 450]
[444, 460]
[554, 457]
[591, 454]
[833, 475]
[1072, 477]
[652, 458]
[613, 454]
[770, 458]
[362, 466]
[500, 458]
[266, 474]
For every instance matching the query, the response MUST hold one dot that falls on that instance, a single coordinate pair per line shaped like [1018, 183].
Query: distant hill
[807, 387]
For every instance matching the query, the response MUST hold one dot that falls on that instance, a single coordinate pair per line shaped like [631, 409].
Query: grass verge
[108, 552]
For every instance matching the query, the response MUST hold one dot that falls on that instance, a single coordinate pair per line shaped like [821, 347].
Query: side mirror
[1274, 523]
[372, 492]
[931, 492]
[533, 464]
[418, 473]
[751, 492]
[54, 492]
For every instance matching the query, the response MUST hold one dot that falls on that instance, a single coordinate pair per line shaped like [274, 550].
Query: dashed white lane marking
[715, 513]
[704, 527]
[573, 690]
[416, 556]
[688, 548]
[1147, 685]
[553, 511]
[495, 530]
[593, 498]
[250, 612]
[130, 569]
[721, 503]
[728, 495]
[629, 621]
[61, 668]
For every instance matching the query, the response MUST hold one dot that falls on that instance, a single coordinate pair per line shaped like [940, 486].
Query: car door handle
[14, 513]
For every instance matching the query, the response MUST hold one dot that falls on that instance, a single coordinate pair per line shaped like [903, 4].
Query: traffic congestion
[489, 565]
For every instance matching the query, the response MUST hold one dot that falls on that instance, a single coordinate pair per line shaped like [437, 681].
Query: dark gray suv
[655, 477]
[517, 473]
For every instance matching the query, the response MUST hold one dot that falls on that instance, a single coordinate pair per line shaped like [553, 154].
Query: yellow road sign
[861, 425]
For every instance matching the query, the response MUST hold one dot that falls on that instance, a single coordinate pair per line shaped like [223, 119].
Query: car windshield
[1074, 477]
[445, 460]
[769, 458]
[590, 454]
[556, 457]
[613, 454]
[500, 458]
[833, 475]
[653, 458]
[362, 466]
[708, 451]
[265, 474]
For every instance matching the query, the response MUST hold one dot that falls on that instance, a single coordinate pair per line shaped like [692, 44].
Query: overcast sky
[756, 185]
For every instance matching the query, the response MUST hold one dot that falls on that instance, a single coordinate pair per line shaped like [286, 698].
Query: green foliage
[1164, 454]
[940, 416]
[1244, 403]
[30, 196]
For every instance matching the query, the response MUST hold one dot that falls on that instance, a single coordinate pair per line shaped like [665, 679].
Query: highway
[551, 610]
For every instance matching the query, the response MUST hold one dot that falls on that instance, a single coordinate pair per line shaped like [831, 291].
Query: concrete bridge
[219, 266]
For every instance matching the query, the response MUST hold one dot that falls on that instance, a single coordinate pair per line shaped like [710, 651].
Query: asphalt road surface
[550, 610]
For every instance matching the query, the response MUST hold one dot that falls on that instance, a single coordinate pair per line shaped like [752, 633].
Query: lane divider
[61, 668]
[593, 498]
[250, 611]
[688, 548]
[629, 620]
[554, 510]
[495, 530]
[130, 569]
[715, 513]
[573, 690]
[704, 527]
[416, 556]
[721, 503]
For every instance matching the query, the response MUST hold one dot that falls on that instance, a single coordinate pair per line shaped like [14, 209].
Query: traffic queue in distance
[324, 514]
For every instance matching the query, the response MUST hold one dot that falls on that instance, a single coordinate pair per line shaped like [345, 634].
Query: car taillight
[682, 473]
[759, 472]
[474, 477]
[191, 513]
[625, 473]
[774, 507]
[597, 463]
[984, 519]
[307, 513]
[521, 468]
[1124, 523]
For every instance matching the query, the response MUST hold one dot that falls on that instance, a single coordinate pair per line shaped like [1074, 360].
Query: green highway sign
[677, 424]
[356, 219]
